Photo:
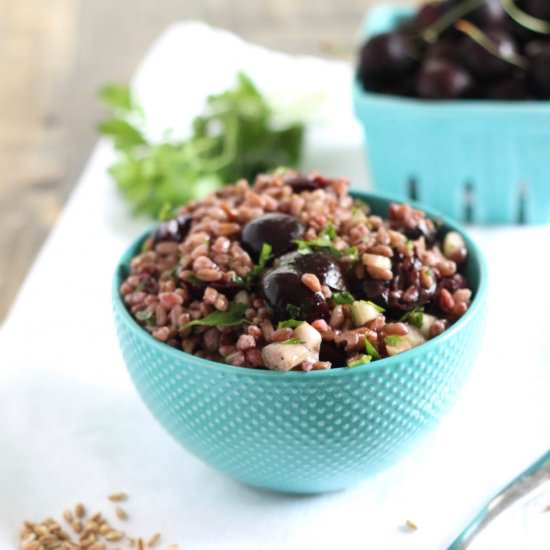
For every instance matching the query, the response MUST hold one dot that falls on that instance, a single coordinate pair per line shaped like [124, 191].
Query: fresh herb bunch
[235, 137]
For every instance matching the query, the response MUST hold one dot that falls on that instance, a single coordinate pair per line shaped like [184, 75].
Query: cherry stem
[431, 33]
[478, 36]
[524, 19]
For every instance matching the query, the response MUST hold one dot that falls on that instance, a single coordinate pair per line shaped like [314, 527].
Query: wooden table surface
[55, 54]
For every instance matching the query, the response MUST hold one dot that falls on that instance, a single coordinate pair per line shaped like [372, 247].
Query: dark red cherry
[283, 289]
[484, 64]
[282, 285]
[300, 183]
[333, 353]
[539, 68]
[536, 8]
[428, 14]
[444, 49]
[278, 230]
[440, 79]
[386, 55]
[324, 266]
[508, 89]
[175, 229]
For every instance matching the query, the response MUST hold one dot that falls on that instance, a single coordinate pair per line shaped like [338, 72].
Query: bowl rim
[490, 106]
[387, 362]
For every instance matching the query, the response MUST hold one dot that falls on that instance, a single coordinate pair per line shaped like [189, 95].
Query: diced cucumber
[362, 312]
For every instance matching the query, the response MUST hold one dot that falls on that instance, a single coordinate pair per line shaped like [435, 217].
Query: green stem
[431, 33]
[524, 19]
[478, 36]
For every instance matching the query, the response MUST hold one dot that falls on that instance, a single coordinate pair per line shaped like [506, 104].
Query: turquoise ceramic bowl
[477, 161]
[303, 432]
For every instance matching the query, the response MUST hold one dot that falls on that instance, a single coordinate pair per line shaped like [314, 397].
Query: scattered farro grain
[140, 544]
[411, 525]
[118, 497]
[113, 536]
[79, 510]
[547, 508]
[154, 540]
[77, 526]
[121, 514]
[68, 516]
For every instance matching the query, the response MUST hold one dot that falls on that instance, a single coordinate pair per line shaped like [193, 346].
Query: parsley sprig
[238, 135]
[343, 298]
[325, 242]
[414, 317]
[257, 270]
[234, 316]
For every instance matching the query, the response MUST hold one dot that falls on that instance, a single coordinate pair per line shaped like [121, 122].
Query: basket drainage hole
[468, 202]
[413, 189]
[522, 203]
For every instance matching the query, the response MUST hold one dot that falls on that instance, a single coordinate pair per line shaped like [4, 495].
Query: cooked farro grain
[241, 269]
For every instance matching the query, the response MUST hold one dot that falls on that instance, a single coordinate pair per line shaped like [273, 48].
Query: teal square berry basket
[485, 162]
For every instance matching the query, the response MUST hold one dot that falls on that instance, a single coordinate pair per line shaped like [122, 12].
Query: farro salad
[293, 273]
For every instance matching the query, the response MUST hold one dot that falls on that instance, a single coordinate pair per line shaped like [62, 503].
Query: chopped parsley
[232, 317]
[257, 270]
[292, 341]
[294, 311]
[325, 241]
[146, 316]
[341, 298]
[392, 340]
[371, 349]
[289, 323]
[140, 286]
[414, 317]
[193, 279]
[167, 212]
[360, 361]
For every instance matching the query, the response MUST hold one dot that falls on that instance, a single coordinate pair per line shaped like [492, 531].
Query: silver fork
[522, 485]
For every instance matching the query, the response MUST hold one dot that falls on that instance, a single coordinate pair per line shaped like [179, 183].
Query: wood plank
[54, 56]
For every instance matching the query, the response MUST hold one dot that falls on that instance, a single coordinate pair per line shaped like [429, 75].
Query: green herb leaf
[236, 136]
[289, 323]
[145, 315]
[294, 311]
[232, 317]
[325, 241]
[123, 134]
[392, 340]
[193, 279]
[342, 298]
[524, 19]
[117, 96]
[257, 270]
[414, 317]
[371, 350]
[291, 341]
[360, 361]
[167, 212]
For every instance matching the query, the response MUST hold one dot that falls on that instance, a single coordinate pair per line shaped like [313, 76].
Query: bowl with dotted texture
[304, 432]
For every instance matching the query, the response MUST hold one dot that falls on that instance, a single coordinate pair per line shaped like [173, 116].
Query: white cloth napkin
[73, 428]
